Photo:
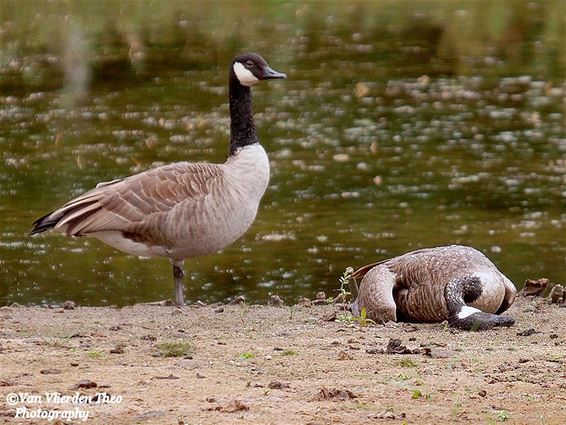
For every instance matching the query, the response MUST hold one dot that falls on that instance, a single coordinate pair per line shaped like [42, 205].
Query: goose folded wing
[123, 205]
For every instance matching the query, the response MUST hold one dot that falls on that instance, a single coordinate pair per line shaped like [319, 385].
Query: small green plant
[503, 415]
[246, 355]
[243, 312]
[407, 363]
[418, 394]
[57, 342]
[478, 364]
[344, 280]
[345, 318]
[311, 320]
[95, 354]
[362, 319]
[362, 405]
[289, 352]
[292, 312]
[456, 409]
[403, 377]
[173, 349]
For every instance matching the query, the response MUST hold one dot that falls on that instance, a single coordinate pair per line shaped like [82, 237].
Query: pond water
[402, 125]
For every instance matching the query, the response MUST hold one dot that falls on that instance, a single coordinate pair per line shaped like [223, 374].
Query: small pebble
[49, 371]
[276, 385]
[361, 90]
[85, 383]
[320, 298]
[304, 302]
[341, 157]
[69, 305]
[373, 148]
[276, 301]
[527, 332]
[238, 300]
[117, 350]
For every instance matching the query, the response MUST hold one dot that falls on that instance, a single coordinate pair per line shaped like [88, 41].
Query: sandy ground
[279, 365]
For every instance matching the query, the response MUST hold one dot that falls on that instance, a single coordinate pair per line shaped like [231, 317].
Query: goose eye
[249, 64]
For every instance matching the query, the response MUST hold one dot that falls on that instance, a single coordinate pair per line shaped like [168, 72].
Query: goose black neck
[242, 125]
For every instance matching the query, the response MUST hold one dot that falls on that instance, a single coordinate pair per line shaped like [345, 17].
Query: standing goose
[184, 209]
[454, 283]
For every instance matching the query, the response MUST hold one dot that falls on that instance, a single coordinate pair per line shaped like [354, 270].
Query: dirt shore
[279, 365]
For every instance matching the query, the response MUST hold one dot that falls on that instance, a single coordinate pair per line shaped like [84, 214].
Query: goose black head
[251, 68]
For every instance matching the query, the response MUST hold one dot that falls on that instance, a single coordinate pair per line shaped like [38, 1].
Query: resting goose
[455, 283]
[184, 209]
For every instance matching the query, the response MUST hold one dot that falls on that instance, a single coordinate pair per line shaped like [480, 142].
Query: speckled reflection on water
[400, 126]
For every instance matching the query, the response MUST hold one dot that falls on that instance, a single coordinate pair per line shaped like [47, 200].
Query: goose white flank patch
[454, 283]
[185, 209]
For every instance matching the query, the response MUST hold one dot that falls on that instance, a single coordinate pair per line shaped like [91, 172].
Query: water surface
[401, 126]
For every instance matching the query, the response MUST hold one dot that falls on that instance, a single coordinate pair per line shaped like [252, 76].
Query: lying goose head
[251, 68]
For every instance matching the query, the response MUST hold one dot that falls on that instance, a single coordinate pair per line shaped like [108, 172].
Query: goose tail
[43, 224]
[69, 217]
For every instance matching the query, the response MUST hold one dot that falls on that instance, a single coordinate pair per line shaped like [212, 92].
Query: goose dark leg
[178, 275]
[468, 289]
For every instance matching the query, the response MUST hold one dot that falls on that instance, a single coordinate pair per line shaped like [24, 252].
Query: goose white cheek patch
[244, 75]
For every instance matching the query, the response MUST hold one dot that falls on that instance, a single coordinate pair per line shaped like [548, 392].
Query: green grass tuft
[95, 354]
[407, 363]
[173, 349]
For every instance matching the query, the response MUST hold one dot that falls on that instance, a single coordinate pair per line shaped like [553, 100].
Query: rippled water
[402, 125]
